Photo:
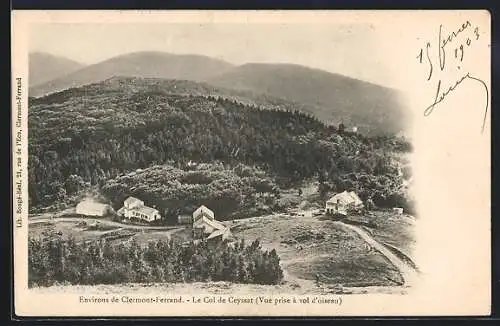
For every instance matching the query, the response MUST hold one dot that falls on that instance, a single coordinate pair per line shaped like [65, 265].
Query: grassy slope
[391, 229]
[309, 246]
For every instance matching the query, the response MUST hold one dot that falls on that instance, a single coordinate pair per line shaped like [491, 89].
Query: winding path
[407, 272]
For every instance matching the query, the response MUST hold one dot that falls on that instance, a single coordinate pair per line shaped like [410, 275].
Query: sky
[357, 50]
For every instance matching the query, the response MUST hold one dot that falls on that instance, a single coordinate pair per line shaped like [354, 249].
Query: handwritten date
[458, 41]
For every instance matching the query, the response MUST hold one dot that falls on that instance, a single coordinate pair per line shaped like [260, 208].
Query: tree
[369, 204]
[323, 190]
[341, 128]
[73, 184]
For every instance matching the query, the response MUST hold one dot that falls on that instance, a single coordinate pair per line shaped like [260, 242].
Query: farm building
[91, 208]
[342, 202]
[184, 219]
[206, 226]
[135, 208]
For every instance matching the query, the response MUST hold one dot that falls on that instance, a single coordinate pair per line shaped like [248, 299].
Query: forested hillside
[330, 97]
[98, 132]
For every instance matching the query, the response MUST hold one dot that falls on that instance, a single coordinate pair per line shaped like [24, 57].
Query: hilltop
[161, 86]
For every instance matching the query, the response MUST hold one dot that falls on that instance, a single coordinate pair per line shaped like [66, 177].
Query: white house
[135, 208]
[342, 202]
[91, 208]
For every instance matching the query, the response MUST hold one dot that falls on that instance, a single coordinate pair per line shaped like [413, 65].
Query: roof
[203, 209]
[91, 204]
[225, 233]
[213, 223]
[131, 200]
[120, 211]
[356, 198]
[346, 198]
[146, 210]
[216, 233]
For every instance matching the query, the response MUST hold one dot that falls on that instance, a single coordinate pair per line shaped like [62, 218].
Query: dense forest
[54, 260]
[237, 192]
[94, 134]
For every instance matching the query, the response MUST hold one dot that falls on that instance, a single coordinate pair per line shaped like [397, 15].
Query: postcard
[251, 163]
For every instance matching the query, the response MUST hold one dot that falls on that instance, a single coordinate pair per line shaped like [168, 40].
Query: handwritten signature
[462, 38]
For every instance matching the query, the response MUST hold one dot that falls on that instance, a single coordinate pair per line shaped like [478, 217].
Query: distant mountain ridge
[44, 67]
[335, 98]
[332, 98]
[138, 64]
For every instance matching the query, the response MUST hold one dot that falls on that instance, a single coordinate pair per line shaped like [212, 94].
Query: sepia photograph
[223, 161]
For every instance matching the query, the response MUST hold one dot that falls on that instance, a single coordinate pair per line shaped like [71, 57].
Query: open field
[311, 249]
[210, 288]
[89, 229]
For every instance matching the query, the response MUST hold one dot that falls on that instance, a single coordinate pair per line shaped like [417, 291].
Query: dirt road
[407, 272]
[103, 222]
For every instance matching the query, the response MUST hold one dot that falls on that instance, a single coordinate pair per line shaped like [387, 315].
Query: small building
[191, 164]
[91, 208]
[354, 129]
[398, 210]
[134, 208]
[342, 202]
[184, 219]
